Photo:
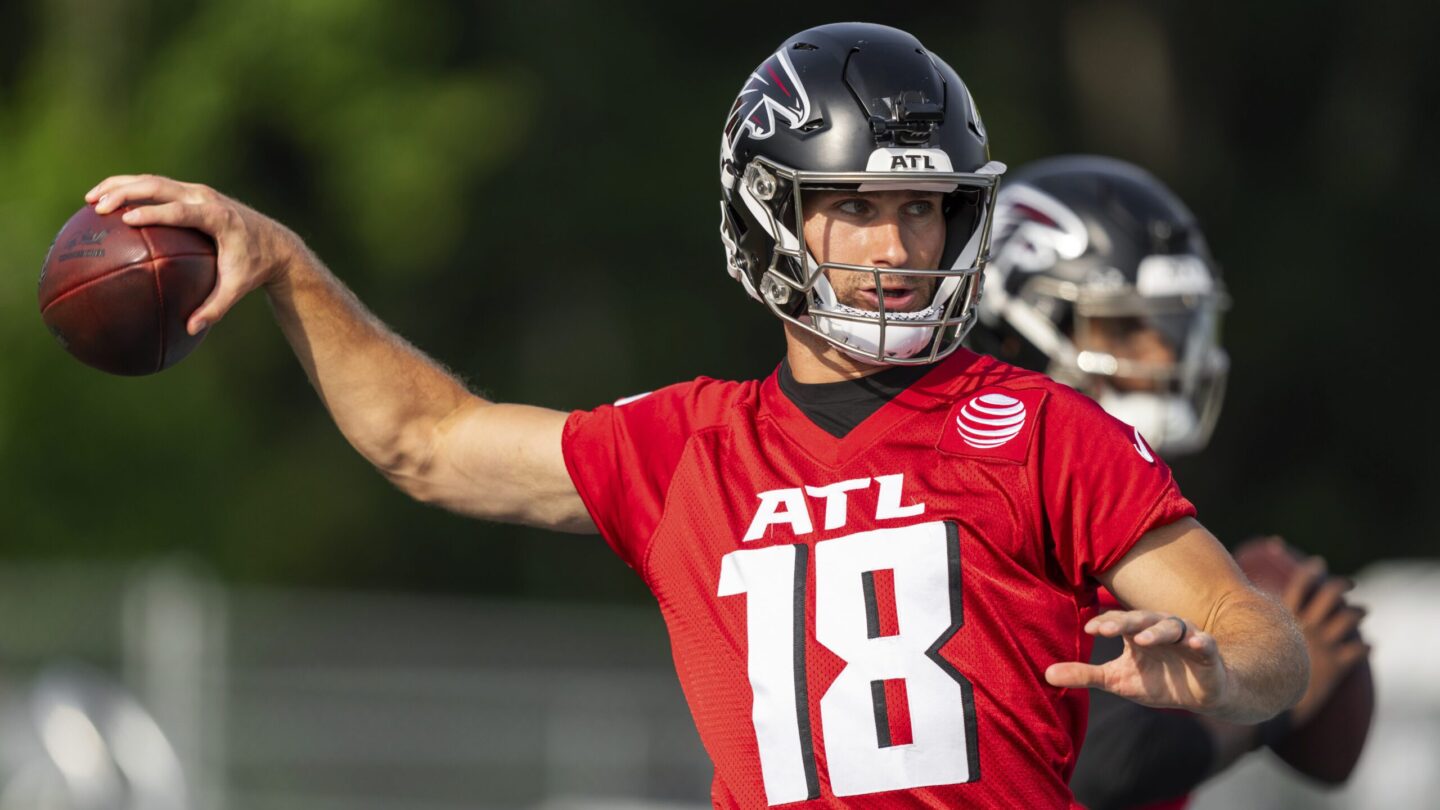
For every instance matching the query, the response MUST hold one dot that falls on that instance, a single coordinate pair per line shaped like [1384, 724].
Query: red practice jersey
[866, 621]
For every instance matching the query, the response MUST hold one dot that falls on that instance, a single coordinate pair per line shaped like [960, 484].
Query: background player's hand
[1167, 662]
[252, 249]
[1330, 624]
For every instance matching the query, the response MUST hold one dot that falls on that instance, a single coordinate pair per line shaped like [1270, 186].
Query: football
[1269, 563]
[117, 297]
[1328, 746]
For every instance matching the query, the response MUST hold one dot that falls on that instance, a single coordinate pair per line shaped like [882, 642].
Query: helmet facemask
[795, 287]
[1096, 345]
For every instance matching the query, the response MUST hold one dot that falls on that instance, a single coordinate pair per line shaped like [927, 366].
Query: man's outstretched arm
[402, 411]
[1199, 636]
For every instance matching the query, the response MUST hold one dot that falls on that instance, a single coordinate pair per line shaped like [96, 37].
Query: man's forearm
[385, 395]
[404, 412]
[1264, 655]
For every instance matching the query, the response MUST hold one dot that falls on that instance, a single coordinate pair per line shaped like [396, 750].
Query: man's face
[882, 229]
[1131, 340]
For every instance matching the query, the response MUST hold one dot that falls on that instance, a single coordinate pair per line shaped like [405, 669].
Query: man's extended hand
[1167, 662]
[251, 248]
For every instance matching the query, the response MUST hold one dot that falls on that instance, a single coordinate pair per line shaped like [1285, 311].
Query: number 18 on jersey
[898, 715]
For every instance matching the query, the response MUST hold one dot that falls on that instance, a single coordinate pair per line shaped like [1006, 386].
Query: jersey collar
[936, 389]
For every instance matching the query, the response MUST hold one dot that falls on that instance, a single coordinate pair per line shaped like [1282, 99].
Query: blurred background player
[1102, 278]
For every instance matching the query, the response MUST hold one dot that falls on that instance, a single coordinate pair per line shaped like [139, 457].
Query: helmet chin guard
[857, 107]
[890, 334]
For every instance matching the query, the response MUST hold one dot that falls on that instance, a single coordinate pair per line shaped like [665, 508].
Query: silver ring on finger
[1184, 629]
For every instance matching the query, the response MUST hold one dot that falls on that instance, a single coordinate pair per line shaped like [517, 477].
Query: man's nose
[1147, 347]
[1153, 348]
[887, 244]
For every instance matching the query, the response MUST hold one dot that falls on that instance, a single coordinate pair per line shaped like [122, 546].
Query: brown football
[117, 297]
[1328, 746]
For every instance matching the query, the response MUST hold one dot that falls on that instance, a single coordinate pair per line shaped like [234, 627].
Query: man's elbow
[417, 466]
[408, 464]
[1300, 683]
[412, 457]
[1271, 663]
[410, 478]
[1279, 663]
[1299, 663]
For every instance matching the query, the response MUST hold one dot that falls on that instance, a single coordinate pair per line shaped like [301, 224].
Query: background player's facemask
[1102, 279]
[1173, 398]
[795, 288]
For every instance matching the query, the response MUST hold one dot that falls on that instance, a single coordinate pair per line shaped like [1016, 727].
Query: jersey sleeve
[1102, 486]
[622, 458]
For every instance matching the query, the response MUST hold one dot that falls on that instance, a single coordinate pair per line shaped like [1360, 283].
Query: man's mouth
[898, 297]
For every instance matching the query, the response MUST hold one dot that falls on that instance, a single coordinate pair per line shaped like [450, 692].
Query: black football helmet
[1102, 279]
[863, 107]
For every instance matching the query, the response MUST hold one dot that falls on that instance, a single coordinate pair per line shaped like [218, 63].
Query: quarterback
[878, 566]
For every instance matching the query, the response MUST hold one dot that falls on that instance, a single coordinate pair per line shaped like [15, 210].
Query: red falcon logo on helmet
[774, 89]
[1035, 230]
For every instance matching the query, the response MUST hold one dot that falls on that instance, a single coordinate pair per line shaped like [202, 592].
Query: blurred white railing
[276, 699]
[279, 699]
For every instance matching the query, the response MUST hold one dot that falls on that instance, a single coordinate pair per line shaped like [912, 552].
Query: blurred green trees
[364, 124]
[526, 190]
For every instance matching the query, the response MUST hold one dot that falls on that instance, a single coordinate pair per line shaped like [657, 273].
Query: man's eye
[854, 207]
[920, 208]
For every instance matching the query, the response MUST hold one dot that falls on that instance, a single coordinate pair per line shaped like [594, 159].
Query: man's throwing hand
[251, 249]
[1167, 663]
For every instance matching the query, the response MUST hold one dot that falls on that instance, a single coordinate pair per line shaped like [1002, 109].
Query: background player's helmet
[1086, 246]
[864, 107]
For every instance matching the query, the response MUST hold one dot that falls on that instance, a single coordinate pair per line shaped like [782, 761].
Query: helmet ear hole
[785, 211]
[965, 198]
[962, 210]
[737, 222]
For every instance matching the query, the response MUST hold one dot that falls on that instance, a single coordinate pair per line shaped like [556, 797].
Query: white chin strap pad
[864, 336]
[900, 340]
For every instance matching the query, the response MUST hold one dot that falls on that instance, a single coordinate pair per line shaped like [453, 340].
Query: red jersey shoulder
[1002, 413]
[688, 407]
[1075, 419]
[622, 457]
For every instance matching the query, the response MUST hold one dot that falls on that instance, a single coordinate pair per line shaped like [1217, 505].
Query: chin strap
[930, 313]
[863, 337]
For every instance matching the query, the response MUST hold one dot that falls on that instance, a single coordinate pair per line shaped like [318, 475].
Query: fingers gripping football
[251, 248]
[1331, 628]
[1167, 662]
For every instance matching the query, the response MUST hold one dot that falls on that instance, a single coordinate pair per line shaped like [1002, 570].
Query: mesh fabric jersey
[866, 621]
